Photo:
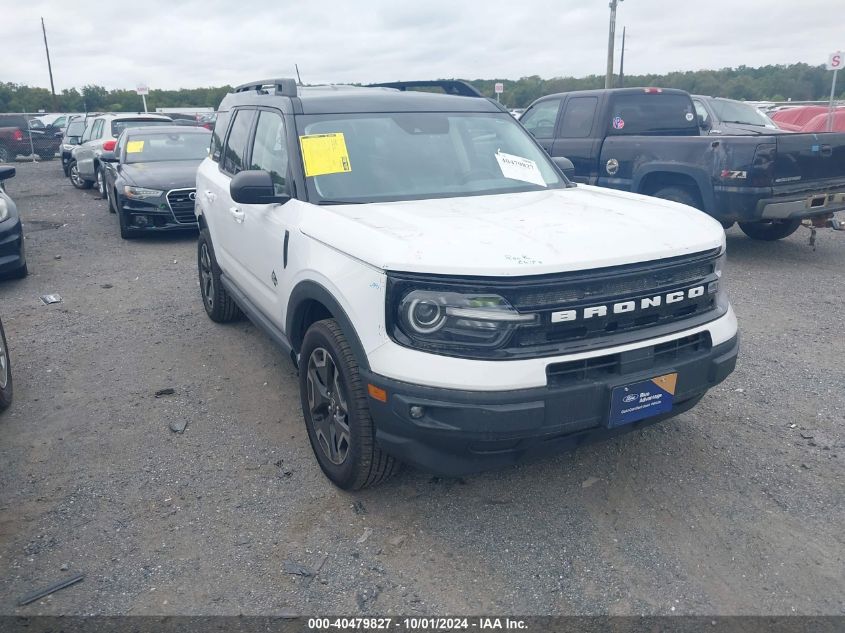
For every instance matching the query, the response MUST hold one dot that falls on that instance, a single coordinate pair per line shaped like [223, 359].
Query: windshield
[76, 128]
[117, 127]
[737, 112]
[154, 148]
[381, 157]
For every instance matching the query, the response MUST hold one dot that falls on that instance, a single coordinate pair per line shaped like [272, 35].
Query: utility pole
[608, 80]
[49, 66]
[622, 60]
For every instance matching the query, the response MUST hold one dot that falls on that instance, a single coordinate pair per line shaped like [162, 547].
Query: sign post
[498, 88]
[143, 90]
[834, 62]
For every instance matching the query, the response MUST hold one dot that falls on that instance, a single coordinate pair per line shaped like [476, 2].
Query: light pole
[608, 80]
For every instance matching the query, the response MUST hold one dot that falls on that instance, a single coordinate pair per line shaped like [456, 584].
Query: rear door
[576, 138]
[85, 152]
[227, 218]
[540, 119]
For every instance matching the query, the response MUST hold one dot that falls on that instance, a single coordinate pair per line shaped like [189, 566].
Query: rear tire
[219, 306]
[46, 156]
[337, 413]
[101, 183]
[770, 231]
[684, 195]
[5, 373]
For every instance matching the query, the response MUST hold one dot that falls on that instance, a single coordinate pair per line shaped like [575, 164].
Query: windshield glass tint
[118, 126]
[151, 148]
[735, 112]
[407, 156]
[654, 114]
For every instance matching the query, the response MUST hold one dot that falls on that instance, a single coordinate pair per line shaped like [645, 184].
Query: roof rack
[284, 87]
[449, 86]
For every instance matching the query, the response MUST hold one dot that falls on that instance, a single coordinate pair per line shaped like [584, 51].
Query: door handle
[237, 214]
[209, 195]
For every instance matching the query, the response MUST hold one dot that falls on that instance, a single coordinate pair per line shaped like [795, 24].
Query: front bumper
[12, 256]
[469, 431]
[157, 220]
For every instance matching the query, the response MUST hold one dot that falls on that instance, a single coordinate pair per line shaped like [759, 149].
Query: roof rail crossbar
[449, 86]
[283, 86]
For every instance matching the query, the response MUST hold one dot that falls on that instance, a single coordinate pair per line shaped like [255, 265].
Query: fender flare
[308, 290]
[697, 174]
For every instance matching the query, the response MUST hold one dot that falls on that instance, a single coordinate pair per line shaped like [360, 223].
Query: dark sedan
[12, 258]
[150, 178]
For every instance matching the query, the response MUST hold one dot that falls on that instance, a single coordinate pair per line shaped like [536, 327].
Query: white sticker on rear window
[518, 168]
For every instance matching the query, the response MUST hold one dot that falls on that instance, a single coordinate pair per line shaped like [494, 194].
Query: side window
[701, 111]
[234, 152]
[540, 120]
[578, 117]
[218, 135]
[269, 149]
[98, 129]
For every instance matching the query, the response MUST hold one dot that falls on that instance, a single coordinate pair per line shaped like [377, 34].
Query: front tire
[5, 373]
[76, 180]
[770, 231]
[219, 306]
[336, 411]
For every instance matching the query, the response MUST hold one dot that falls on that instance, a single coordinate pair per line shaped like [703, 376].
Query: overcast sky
[193, 43]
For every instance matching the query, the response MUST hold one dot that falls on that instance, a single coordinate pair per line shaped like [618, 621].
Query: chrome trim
[170, 206]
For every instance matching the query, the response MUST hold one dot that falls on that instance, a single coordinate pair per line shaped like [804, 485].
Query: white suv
[452, 301]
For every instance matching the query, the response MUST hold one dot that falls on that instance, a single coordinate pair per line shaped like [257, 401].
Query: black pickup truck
[647, 140]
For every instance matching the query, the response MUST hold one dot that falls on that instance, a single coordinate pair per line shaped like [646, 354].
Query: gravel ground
[733, 508]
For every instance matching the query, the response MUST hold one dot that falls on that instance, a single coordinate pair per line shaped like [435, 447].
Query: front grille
[181, 203]
[642, 359]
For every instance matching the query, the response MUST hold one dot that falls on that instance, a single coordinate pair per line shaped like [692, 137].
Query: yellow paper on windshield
[134, 147]
[324, 154]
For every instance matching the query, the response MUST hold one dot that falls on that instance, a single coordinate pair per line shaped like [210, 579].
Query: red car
[806, 119]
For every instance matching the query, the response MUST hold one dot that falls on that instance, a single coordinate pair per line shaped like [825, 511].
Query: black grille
[182, 204]
[641, 359]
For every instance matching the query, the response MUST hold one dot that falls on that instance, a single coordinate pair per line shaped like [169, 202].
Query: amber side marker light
[376, 393]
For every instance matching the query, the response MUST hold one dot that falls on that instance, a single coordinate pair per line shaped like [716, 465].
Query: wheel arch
[655, 177]
[310, 302]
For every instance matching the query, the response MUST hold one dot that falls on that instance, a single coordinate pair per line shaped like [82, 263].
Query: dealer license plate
[640, 400]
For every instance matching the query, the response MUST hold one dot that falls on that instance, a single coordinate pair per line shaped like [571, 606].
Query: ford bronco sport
[451, 300]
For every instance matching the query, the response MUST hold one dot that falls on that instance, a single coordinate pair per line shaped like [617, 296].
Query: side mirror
[703, 123]
[108, 157]
[566, 166]
[255, 186]
[6, 172]
[73, 140]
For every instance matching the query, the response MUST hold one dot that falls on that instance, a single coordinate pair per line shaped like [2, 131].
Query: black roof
[337, 99]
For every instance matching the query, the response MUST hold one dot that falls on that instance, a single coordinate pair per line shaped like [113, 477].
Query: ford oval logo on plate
[630, 397]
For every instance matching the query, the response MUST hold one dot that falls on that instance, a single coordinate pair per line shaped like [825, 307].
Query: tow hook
[822, 222]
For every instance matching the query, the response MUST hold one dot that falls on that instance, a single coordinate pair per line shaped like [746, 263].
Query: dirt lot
[734, 508]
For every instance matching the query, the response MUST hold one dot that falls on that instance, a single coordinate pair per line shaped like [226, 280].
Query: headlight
[4, 210]
[67, 148]
[139, 193]
[444, 319]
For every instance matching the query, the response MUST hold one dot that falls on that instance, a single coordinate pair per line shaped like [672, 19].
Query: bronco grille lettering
[622, 307]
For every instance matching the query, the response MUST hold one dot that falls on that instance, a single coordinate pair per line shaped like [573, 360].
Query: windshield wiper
[327, 202]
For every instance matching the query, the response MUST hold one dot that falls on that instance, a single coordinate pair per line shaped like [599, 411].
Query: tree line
[799, 82]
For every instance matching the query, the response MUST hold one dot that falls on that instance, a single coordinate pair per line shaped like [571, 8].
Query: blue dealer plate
[641, 400]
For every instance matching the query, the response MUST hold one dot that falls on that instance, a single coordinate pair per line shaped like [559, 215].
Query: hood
[165, 175]
[516, 234]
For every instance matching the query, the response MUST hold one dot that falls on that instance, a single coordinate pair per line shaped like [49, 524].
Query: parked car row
[144, 165]
[19, 138]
